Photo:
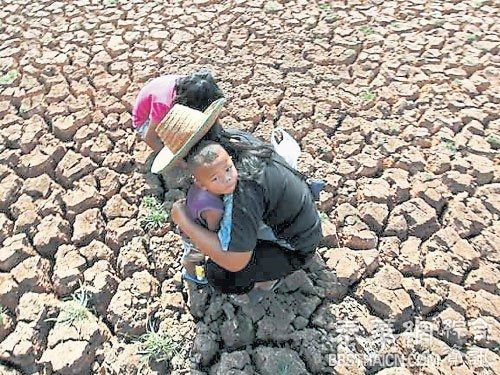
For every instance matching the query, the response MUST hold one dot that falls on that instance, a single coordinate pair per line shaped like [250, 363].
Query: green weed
[157, 215]
[150, 201]
[394, 129]
[494, 141]
[472, 37]
[75, 309]
[330, 17]
[156, 346]
[326, 9]
[8, 78]
[319, 116]
[366, 30]
[449, 145]
[367, 95]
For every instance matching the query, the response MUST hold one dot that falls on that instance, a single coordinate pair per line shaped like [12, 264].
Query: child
[156, 99]
[214, 175]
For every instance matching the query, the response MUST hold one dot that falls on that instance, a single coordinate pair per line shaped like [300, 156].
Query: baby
[214, 176]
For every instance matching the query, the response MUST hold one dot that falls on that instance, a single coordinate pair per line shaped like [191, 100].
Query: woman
[267, 192]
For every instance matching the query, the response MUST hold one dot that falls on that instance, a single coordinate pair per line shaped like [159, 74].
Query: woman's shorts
[143, 129]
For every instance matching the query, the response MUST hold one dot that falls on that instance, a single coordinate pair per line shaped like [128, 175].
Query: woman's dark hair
[197, 90]
[250, 155]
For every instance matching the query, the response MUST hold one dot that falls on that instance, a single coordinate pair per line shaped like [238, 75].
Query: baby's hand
[178, 213]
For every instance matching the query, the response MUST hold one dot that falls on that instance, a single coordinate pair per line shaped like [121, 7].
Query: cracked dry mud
[408, 273]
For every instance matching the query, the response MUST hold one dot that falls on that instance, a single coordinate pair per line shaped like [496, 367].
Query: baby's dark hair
[202, 153]
[197, 90]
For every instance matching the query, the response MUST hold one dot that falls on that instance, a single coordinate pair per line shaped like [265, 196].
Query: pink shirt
[154, 100]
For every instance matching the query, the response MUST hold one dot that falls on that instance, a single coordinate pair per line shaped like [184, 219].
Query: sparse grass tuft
[367, 95]
[449, 145]
[326, 9]
[157, 215]
[472, 37]
[156, 346]
[367, 30]
[494, 141]
[394, 129]
[75, 309]
[8, 78]
[150, 201]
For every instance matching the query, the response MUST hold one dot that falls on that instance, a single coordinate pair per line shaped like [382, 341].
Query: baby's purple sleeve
[199, 200]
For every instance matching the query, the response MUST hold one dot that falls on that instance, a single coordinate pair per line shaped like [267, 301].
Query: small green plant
[8, 78]
[330, 17]
[326, 8]
[449, 145]
[366, 30]
[75, 309]
[157, 215]
[156, 346]
[319, 116]
[150, 201]
[3, 313]
[472, 37]
[494, 141]
[367, 95]
[394, 129]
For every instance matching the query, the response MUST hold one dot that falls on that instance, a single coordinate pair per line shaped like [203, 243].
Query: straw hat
[181, 129]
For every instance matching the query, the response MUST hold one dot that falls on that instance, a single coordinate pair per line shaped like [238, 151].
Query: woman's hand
[179, 213]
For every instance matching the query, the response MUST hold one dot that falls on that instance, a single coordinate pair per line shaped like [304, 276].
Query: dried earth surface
[407, 278]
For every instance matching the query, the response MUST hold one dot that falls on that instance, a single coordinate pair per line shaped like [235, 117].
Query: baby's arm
[213, 218]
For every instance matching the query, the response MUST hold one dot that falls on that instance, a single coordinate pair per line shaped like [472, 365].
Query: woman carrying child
[257, 187]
